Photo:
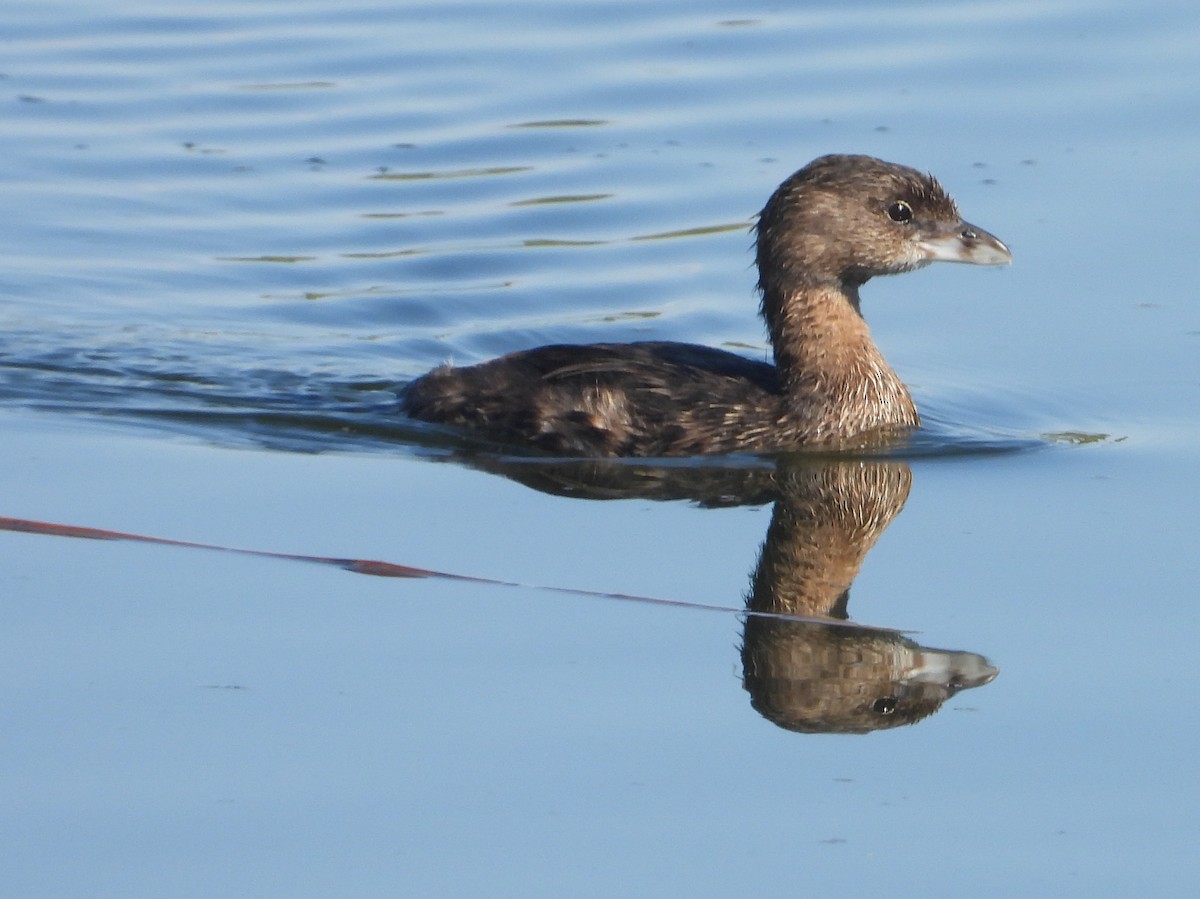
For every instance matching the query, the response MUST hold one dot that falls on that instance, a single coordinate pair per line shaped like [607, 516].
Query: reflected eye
[900, 212]
[884, 706]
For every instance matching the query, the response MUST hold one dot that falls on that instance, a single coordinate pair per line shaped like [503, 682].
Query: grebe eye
[885, 706]
[900, 212]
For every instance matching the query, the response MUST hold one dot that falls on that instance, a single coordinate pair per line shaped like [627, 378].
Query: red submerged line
[380, 569]
[390, 569]
[362, 566]
[59, 530]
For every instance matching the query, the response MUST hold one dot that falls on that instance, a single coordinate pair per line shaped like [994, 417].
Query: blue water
[231, 231]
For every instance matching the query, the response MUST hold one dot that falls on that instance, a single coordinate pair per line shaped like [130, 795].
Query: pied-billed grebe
[825, 231]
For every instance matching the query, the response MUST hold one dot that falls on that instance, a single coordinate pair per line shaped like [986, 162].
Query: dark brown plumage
[826, 230]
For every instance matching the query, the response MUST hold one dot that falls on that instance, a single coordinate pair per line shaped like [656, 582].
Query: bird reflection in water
[806, 666]
[837, 678]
